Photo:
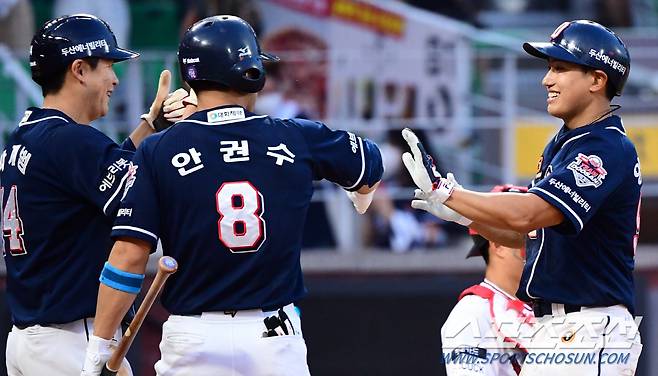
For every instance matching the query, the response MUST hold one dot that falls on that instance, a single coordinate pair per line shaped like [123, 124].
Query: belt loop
[558, 309]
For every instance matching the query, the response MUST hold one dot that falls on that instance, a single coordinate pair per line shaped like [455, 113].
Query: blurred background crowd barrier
[382, 284]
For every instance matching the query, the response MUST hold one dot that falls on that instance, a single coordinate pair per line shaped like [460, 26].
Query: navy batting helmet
[64, 39]
[590, 44]
[224, 50]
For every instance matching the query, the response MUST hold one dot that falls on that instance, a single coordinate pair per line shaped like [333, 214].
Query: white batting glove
[361, 201]
[419, 164]
[422, 169]
[179, 105]
[99, 351]
[431, 203]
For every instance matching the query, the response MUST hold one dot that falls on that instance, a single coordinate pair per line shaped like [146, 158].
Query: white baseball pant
[57, 350]
[598, 341]
[218, 343]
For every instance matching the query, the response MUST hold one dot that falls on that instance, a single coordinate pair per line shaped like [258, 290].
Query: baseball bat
[166, 267]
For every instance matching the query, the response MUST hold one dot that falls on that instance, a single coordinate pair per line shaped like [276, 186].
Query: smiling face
[569, 89]
[99, 85]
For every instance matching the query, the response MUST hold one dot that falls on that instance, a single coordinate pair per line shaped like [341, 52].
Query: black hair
[610, 90]
[55, 81]
[481, 244]
[200, 86]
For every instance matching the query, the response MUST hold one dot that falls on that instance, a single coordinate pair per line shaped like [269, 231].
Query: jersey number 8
[241, 226]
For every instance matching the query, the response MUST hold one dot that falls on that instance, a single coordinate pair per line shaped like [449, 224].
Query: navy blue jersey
[60, 190]
[592, 175]
[227, 192]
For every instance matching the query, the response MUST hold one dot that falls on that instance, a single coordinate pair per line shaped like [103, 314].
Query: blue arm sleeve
[342, 157]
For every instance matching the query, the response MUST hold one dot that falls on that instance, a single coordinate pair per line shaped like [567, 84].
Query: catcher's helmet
[64, 39]
[590, 44]
[224, 50]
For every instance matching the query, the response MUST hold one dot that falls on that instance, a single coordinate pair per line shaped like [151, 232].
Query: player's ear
[78, 69]
[599, 81]
[495, 250]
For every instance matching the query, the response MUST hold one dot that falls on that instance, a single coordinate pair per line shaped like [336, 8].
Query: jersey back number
[12, 225]
[241, 226]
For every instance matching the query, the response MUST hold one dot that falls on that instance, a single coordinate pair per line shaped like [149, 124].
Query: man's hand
[423, 171]
[428, 201]
[361, 201]
[179, 105]
[99, 351]
[168, 108]
[419, 164]
[155, 116]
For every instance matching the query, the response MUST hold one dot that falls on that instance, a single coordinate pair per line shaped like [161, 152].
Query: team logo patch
[568, 337]
[131, 176]
[191, 72]
[244, 52]
[556, 33]
[588, 170]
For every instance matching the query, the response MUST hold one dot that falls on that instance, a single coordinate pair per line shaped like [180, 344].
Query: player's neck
[63, 102]
[211, 99]
[596, 111]
[501, 279]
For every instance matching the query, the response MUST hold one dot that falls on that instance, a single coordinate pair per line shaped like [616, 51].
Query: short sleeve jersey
[592, 175]
[60, 191]
[227, 191]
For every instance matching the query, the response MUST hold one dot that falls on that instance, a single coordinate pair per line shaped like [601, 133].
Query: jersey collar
[565, 134]
[35, 114]
[494, 286]
[221, 115]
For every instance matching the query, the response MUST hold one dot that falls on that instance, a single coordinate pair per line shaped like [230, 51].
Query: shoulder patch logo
[588, 170]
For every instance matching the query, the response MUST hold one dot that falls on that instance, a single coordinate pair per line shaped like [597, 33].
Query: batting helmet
[590, 44]
[480, 244]
[64, 39]
[224, 50]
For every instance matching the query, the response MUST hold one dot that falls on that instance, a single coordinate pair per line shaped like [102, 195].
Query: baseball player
[226, 191]
[61, 184]
[480, 335]
[580, 222]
